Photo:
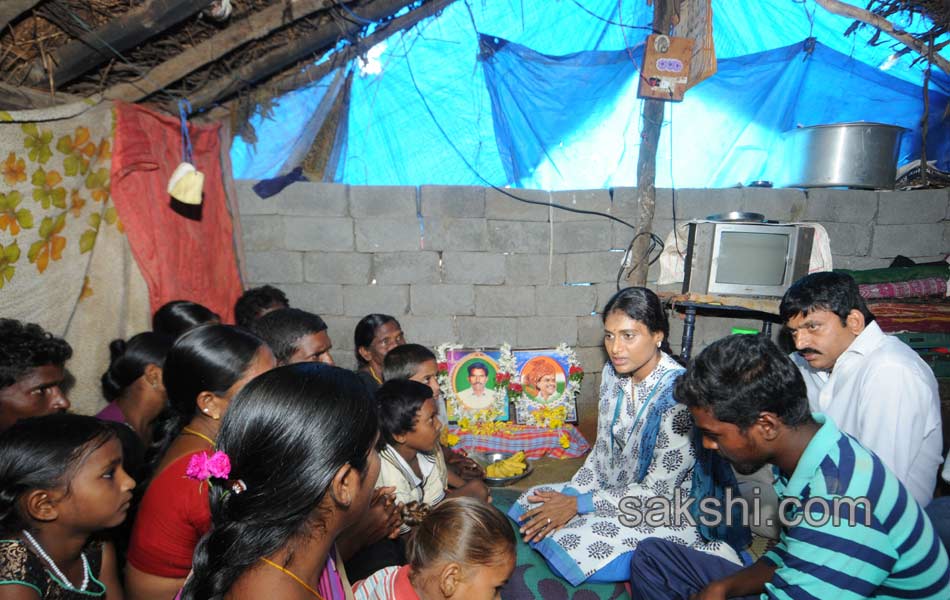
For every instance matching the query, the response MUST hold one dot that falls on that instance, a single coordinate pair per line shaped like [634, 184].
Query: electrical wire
[475, 171]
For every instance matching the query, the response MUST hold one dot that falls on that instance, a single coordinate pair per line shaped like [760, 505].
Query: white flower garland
[499, 394]
[526, 407]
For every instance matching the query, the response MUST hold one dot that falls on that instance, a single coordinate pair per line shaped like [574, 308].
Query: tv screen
[747, 258]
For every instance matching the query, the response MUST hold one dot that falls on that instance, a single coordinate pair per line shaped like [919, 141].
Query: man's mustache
[808, 351]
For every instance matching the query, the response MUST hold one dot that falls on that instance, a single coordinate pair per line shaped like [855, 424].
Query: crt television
[745, 259]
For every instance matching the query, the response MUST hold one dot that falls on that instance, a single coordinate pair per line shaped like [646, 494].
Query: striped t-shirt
[893, 552]
[391, 583]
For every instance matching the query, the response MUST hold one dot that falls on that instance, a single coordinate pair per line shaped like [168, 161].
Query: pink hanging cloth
[184, 252]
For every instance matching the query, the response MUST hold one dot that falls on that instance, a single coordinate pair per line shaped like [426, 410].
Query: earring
[658, 344]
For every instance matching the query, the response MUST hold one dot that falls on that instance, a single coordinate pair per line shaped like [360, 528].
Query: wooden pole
[646, 163]
[11, 9]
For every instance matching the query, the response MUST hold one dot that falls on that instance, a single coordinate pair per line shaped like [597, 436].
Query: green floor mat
[533, 579]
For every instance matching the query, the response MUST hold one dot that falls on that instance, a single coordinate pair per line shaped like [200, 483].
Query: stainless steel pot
[856, 155]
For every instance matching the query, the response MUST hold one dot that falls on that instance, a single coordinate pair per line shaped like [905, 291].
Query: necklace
[49, 560]
[293, 576]
[191, 431]
[372, 372]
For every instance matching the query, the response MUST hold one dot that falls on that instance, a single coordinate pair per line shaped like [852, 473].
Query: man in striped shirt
[850, 529]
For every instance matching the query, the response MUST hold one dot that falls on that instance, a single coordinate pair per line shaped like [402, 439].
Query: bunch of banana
[511, 466]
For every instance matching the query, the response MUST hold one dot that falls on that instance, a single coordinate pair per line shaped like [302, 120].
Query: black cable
[445, 135]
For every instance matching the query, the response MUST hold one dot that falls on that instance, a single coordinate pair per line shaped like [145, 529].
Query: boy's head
[294, 336]
[413, 362]
[408, 415]
[742, 392]
[31, 372]
[257, 302]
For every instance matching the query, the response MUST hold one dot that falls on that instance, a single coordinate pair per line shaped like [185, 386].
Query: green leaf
[13, 199]
[46, 227]
[94, 220]
[25, 218]
[35, 248]
[65, 144]
[72, 165]
[11, 253]
[30, 130]
[111, 215]
[7, 274]
[60, 220]
[39, 177]
[59, 197]
[87, 240]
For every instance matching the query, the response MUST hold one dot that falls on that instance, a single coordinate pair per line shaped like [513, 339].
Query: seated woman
[273, 529]
[645, 449]
[375, 335]
[203, 371]
[178, 316]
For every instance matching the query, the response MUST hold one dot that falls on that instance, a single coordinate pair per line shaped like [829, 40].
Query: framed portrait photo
[470, 385]
[549, 382]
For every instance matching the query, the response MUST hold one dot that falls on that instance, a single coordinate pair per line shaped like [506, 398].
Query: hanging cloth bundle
[186, 182]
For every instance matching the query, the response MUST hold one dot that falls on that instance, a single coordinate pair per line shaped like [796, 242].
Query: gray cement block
[701, 203]
[318, 298]
[340, 329]
[582, 236]
[624, 204]
[429, 331]
[780, 204]
[593, 267]
[592, 360]
[249, 203]
[456, 234]
[546, 332]
[502, 207]
[315, 233]
[445, 299]
[381, 234]
[518, 236]
[593, 200]
[621, 234]
[590, 331]
[486, 332]
[534, 269]
[453, 201]
[275, 267]
[504, 301]
[262, 232]
[338, 267]
[605, 292]
[848, 238]
[913, 206]
[473, 267]
[382, 201]
[859, 263]
[840, 206]
[566, 300]
[909, 240]
[344, 360]
[365, 299]
[406, 267]
[313, 199]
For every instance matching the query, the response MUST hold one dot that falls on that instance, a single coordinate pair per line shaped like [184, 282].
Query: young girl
[295, 480]
[409, 448]
[61, 480]
[203, 372]
[375, 335]
[463, 549]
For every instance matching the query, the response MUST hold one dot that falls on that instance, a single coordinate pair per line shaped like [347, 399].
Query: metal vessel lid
[737, 217]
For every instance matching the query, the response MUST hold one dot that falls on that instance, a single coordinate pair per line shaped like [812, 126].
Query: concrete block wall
[470, 265]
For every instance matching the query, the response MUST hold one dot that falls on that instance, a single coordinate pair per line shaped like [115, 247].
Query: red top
[173, 516]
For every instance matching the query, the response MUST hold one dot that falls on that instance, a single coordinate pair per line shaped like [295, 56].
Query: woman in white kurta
[645, 449]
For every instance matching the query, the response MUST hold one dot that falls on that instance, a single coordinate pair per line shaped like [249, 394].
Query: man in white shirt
[477, 397]
[872, 385]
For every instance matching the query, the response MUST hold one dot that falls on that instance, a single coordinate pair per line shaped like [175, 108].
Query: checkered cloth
[534, 441]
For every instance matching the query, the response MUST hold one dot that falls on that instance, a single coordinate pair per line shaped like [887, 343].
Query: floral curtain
[65, 262]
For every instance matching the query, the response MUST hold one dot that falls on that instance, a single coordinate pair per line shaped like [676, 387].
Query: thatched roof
[157, 51]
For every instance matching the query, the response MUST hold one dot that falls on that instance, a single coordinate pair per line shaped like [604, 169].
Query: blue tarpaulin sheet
[542, 94]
